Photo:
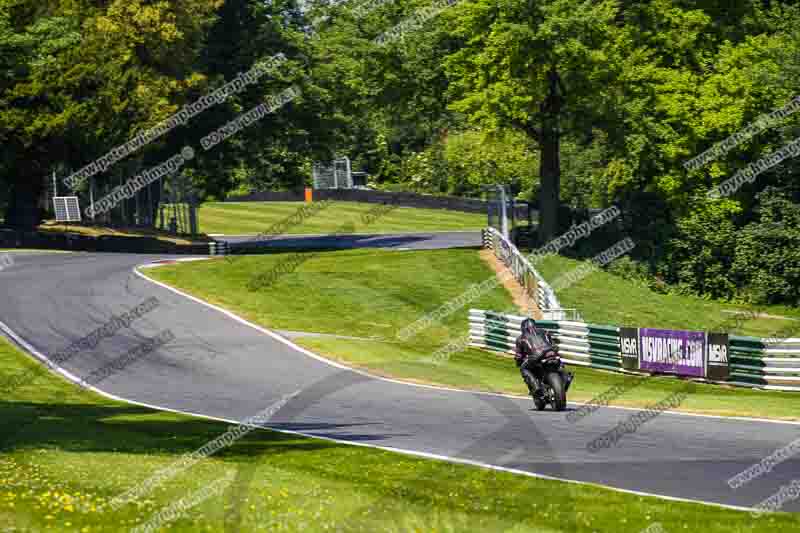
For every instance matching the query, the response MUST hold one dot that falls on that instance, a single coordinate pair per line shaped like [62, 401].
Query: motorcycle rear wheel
[559, 394]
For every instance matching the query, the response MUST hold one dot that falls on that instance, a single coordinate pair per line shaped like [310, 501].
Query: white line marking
[436, 387]
[416, 453]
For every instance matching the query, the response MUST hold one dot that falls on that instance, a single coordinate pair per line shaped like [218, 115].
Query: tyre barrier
[772, 364]
[579, 343]
[767, 363]
[218, 248]
[486, 237]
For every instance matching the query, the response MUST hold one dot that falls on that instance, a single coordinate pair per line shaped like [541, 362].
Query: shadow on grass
[284, 244]
[129, 429]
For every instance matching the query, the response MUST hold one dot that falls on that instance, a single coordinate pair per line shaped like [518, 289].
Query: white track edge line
[427, 455]
[407, 383]
[78, 381]
[436, 387]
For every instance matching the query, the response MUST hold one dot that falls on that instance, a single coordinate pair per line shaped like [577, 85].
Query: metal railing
[527, 276]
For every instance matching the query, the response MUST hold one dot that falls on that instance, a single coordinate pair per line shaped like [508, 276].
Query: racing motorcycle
[553, 381]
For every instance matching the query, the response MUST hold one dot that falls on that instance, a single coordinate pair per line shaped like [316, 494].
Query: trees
[607, 98]
[539, 67]
[79, 79]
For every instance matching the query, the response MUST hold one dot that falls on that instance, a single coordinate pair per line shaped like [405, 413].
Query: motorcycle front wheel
[557, 391]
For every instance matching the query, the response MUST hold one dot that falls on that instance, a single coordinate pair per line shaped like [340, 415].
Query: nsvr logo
[630, 346]
[718, 353]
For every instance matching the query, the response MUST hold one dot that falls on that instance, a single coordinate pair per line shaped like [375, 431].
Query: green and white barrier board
[716, 357]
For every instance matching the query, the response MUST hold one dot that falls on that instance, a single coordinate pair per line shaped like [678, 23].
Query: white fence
[527, 276]
[336, 175]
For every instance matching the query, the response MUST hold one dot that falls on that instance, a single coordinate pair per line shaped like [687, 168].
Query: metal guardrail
[754, 362]
[528, 277]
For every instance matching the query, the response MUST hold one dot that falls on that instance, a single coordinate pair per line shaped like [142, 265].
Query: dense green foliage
[582, 103]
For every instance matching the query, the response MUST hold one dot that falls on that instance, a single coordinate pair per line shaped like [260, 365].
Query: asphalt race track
[413, 241]
[221, 367]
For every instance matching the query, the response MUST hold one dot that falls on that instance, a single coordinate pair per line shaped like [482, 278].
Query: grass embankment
[373, 294]
[252, 218]
[98, 231]
[604, 298]
[66, 453]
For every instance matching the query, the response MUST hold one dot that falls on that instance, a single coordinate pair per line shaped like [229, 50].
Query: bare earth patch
[524, 304]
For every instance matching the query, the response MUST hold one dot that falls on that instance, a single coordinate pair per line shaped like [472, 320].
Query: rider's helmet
[528, 326]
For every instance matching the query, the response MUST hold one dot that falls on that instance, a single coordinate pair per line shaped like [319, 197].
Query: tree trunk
[550, 165]
[23, 210]
[550, 173]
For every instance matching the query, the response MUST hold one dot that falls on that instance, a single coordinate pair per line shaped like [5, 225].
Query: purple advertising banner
[673, 352]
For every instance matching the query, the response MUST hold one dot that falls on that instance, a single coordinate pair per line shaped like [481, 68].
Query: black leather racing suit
[529, 348]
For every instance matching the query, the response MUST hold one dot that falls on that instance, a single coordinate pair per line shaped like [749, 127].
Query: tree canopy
[575, 103]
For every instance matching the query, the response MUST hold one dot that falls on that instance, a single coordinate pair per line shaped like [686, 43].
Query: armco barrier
[579, 343]
[767, 363]
[527, 276]
[218, 248]
[761, 363]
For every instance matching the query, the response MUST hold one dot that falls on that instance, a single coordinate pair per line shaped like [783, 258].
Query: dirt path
[525, 305]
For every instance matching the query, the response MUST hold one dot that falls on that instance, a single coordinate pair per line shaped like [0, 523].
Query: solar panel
[67, 209]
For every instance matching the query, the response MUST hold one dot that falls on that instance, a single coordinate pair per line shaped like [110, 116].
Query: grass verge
[65, 453]
[604, 298]
[251, 218]
[373, 294]
[98, 231]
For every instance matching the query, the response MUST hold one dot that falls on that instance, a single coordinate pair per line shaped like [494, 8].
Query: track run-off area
[222, 367]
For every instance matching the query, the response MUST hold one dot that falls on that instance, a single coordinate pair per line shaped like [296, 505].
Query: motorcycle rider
[532, 343]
